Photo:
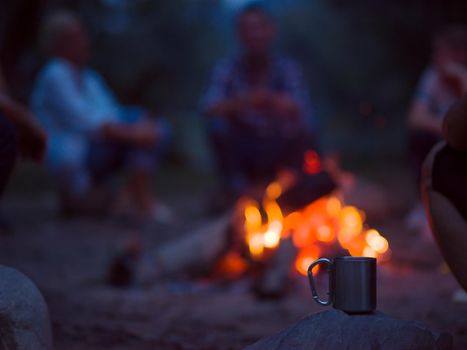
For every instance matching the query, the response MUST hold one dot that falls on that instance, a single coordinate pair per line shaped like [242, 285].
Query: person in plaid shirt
[257, 107]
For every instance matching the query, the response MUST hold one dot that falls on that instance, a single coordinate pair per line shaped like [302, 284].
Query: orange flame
[323, 221]
[304, 259]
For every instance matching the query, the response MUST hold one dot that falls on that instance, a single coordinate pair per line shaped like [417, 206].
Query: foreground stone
[24, 316]
[335, 329]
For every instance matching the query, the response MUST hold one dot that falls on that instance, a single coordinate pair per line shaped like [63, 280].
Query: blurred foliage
[363, 59]
[157, 53]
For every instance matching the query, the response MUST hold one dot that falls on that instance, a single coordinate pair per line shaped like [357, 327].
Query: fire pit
[262, 229]
[272, 234]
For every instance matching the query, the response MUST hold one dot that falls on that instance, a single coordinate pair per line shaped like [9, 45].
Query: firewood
[274, 280]
[196, 251]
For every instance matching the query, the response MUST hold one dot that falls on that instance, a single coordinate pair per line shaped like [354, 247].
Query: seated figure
[442, 84]
[444, 179]
[257, 108]
[90, 134]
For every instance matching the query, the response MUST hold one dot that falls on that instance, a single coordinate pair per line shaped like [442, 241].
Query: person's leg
[140, 163]
[139, 186]
[292, 151]
[260, 157]
[76, 193]
[104, 159]
[266, 156]
[227, 149]
[420, 144]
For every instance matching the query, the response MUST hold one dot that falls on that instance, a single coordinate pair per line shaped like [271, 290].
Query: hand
[106, 131]
[284, 105]
[456, 72]
[142, 134]
[261, 99]
[145, 133]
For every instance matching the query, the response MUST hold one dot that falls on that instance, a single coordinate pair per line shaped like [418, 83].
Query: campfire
[326, 221]
[324, 226]
[272, 232]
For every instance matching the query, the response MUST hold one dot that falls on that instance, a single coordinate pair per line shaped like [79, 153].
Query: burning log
[307, 189]
[275, 277]
[197, 251]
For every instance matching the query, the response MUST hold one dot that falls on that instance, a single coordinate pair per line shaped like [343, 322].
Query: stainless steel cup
[352, 283]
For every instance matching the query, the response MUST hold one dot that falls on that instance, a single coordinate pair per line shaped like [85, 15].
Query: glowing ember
[325, 221]
[376, 242]
[305, 257]
[350, 226]
[231, 266]
[291, 222]
[252, 217]
[302, 236]
[272, 236]
[312, 164]
[333, 207]
[274, 190]
[325, 233]
[256, 245]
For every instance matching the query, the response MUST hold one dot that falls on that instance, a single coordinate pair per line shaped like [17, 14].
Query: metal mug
[352, 283]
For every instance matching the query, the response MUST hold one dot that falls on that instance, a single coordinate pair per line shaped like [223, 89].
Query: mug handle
[312, 282]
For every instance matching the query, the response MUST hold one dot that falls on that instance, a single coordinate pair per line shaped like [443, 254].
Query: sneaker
[162, 214]
[459, 296]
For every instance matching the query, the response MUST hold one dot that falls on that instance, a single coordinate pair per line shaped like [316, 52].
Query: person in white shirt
[90, 134]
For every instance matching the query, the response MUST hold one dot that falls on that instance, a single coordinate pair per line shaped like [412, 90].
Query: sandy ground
[68, 260]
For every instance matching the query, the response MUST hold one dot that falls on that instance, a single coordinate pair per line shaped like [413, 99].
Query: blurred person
[91, 134]
[19, 135]
[443, 182]
[257, 107]
[441, 85]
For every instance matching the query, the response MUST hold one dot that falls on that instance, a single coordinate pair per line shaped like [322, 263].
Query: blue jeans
[106, 157]
[245, 156]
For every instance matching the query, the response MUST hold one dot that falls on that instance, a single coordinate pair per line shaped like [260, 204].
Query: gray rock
[334, 329]
[24, 316]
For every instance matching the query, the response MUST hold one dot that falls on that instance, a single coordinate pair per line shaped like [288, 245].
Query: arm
[420, 117]
[228, 107]
[286, 105]
[216, 102]
[72, 109]
[456, 72]
[293, 102]
[31, 138]
[144, 133]
[260, 99]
